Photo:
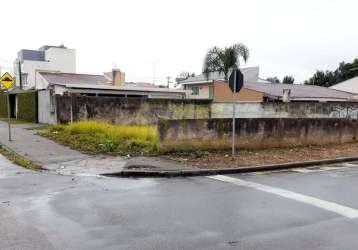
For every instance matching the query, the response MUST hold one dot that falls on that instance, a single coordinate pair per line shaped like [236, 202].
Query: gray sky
[284, 36]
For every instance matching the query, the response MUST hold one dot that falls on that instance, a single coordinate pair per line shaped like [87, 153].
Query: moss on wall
[3, 105]
[254, 133]
[27, 106]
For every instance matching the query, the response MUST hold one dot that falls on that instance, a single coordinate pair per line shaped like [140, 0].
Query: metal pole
[233, 116]
[20, 74]
[8, 114]
[71, 109]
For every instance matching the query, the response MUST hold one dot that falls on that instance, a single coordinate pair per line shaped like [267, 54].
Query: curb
[15, 154]
[222, 171]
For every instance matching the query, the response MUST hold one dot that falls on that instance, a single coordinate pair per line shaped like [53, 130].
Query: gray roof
[251, 74]
[46, 47]
[119, 88]
[100, 82]
[72, 78]
[299, 91]
[32, 55]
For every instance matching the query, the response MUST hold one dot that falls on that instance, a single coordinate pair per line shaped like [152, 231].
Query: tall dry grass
[95, 136]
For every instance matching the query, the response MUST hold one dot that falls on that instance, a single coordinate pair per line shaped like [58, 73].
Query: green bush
[3, 105]
[27, 106]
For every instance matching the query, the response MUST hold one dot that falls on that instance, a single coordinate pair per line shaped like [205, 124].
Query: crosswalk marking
[330, 206]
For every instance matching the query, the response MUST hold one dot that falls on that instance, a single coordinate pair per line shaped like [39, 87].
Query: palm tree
[223, 60]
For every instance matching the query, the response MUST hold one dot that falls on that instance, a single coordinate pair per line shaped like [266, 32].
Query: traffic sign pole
[236, 82]
[7, 81]
[233, 118]
[8, 114]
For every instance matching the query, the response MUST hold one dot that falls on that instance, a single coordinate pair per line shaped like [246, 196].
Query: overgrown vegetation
[101, 137]
[3, 105]
[19, 160]
[14, 121]
[27, 106]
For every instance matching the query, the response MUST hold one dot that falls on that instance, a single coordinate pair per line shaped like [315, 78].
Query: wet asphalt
[40, 210]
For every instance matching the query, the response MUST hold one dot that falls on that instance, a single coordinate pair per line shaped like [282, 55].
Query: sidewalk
[63, 160]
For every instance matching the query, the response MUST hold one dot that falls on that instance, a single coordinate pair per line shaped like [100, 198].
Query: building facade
[46, 58]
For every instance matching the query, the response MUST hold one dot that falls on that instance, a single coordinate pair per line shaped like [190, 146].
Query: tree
[328, 78]
[322, 78]
[288, 80]
[183, 76]
[223, 60]
[273, 79]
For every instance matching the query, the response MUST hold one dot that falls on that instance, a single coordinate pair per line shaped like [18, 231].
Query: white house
[47, 58]
[350, 86]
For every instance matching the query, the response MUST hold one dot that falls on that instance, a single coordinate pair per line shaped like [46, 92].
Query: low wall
[254, 133]
[287, 110]
[128, 110]
[121, 110]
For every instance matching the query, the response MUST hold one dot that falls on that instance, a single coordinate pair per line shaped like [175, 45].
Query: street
[312, 208]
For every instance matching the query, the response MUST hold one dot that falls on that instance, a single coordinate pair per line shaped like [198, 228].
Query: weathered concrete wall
[209, 134]
[140, 111]
[46, 109]
[129, 111]
[287, 110]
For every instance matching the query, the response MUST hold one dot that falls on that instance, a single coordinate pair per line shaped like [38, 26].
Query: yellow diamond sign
[7, 81]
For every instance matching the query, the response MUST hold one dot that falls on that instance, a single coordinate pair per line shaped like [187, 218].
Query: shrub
[3, 105]
[27, 106]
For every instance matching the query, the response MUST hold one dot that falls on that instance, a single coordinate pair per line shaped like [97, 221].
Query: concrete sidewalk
[55, 157]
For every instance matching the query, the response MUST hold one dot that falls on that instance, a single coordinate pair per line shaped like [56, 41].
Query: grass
[100, 137]
[15, 121]
[19, 160]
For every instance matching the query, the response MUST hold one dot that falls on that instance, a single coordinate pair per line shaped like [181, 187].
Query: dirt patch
[223, 159]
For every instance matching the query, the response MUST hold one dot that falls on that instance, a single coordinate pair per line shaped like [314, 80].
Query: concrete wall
[46, 107]
[258, 133]
[127, 111]
[287, 110]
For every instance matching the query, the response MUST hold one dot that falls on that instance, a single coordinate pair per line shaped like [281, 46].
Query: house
[46, 58]
[102, 85]
[297, 92]
[255, 89]
[350, 85]
[213, 86]
[109, 85]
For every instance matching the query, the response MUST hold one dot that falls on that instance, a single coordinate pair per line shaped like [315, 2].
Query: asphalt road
[315, 209]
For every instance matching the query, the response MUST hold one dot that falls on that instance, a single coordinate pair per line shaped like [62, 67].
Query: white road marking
[322, 169]
[348, 164]
[330, 206]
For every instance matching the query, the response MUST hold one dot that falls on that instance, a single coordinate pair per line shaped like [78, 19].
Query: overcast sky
[285, 37]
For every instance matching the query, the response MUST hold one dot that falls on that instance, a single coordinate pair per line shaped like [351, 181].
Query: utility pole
[20, 74]
[153, 73]
[154, 63]
[168, 81]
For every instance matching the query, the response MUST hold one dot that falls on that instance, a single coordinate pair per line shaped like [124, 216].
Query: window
[24, 79]
[195, 90]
